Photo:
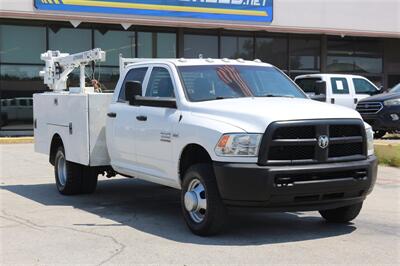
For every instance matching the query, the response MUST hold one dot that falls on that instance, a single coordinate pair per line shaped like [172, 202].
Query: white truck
[227, 133]
[341, 89]
[15, 109]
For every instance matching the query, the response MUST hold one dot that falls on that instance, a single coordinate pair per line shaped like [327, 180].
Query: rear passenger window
[160, 83]
[308, 85]
[339, 86]
[136, 74]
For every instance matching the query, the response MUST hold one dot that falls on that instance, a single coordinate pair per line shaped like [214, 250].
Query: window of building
[196, 45]
[160, 83]
[22, 44]
[136, 74]
[273, 50]
[107, 76]
[166, 45]
[17, 83]
[237, 47]
[354, 55]
[392, 62]
[115, 43]
[305, 54]
[339, 86]
[70, 40]
[156, 45]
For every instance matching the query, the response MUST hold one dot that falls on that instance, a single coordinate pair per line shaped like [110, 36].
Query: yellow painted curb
[16, 140]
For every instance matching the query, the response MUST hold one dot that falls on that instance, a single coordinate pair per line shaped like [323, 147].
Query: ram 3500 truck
[227, 133]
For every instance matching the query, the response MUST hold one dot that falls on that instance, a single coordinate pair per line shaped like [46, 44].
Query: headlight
[370, 139]
[238, 145]
[392, 102]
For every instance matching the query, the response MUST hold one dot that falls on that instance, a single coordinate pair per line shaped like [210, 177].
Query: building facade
[299, 37]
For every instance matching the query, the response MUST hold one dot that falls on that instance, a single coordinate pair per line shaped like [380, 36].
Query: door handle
[141, 118]
[333, 100]
[355, 100]
[112, 115]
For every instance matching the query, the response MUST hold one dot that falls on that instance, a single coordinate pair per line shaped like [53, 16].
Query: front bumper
[383, 120]
[296, 188]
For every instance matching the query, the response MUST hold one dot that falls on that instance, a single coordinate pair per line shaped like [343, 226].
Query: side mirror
[320, 87]
[132, 89]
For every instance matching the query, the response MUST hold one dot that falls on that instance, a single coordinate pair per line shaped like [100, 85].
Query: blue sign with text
[238, 10]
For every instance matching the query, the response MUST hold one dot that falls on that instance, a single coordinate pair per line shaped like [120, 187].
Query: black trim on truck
[296, 142]
[296, 188]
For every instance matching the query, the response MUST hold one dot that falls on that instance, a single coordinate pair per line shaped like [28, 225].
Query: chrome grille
[369, 107]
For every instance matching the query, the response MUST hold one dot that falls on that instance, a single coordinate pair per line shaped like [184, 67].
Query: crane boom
[60, 65]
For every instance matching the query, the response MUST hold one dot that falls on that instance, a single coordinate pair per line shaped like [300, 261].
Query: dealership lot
[131, 221]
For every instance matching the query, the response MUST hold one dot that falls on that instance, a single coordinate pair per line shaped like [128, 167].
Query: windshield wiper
[276, 95]
[224, 97]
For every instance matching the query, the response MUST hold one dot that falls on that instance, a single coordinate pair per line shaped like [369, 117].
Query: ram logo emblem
[323, 141]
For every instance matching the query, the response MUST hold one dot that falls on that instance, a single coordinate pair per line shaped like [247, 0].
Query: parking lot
[129, 221]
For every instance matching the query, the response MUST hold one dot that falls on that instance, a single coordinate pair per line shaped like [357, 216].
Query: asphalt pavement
[128, 221]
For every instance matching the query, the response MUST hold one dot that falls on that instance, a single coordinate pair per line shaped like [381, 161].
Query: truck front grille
[298, 142]
[369, 107]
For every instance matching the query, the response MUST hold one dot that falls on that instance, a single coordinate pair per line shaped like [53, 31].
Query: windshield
[396, 88]
[213, 82]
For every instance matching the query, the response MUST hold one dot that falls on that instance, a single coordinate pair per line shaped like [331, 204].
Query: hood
[382, 97]
[255, 114]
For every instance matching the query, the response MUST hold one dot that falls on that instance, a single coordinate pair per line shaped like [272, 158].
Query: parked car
[16, 109]
[346, 90]
[382, 111]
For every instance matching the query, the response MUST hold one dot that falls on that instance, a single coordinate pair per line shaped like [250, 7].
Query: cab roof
[320, 75]
[197, 62]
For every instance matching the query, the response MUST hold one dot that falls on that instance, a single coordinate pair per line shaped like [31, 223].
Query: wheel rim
[62, 170]
[195, 201]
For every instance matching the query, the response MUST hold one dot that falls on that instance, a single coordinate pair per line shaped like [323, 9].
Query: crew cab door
[155, 127]
[340, 92]
[121, 125]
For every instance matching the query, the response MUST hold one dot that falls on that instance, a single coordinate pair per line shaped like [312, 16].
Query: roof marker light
[240, 60]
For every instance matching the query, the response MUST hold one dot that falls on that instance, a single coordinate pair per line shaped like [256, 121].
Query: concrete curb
[16, 140]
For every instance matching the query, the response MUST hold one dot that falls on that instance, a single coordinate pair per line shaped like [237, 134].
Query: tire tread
[216, 211]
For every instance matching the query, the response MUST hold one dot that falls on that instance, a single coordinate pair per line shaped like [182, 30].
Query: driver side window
[160, 84]
[363, 87]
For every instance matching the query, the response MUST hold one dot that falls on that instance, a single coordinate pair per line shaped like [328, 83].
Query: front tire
[202, 207]
[379, 134]
[343, 214]
[72, 178]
